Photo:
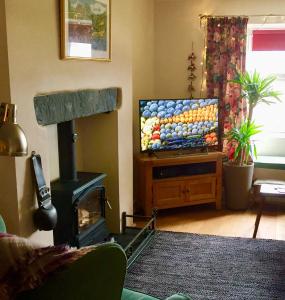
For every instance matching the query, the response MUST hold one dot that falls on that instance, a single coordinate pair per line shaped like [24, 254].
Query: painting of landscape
[86, 29]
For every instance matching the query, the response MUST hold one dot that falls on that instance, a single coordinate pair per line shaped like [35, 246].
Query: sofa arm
[2, 225]
[98, 275]
[132, 295]
[178, 297]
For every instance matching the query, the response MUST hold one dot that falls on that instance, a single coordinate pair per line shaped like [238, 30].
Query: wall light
[13, 141]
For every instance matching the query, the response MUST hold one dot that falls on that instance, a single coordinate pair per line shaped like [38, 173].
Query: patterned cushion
[25, 265]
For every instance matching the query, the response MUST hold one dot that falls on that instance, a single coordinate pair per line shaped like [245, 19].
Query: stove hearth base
[134, 239]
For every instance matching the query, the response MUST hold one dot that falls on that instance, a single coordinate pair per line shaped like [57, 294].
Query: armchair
[98, 275]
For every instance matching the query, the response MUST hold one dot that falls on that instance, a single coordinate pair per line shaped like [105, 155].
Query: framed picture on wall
[86, 29]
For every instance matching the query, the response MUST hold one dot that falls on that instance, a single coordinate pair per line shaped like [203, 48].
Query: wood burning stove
[79, 197]
[80, 207]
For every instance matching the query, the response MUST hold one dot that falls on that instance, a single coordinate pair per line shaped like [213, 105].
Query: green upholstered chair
[98, 275]
[2, 225]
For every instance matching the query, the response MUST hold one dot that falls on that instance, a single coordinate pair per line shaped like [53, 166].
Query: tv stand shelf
[179, 181]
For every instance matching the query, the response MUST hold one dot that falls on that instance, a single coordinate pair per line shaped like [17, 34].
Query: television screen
[171, 124]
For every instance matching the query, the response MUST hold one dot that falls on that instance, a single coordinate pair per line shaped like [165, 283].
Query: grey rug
[210, 267]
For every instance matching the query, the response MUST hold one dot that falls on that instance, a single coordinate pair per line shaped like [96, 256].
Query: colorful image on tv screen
[178, 123]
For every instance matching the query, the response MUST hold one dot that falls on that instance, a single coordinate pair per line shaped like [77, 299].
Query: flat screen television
[177, 124]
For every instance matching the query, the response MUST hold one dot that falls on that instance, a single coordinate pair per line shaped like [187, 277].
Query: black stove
[79, 197]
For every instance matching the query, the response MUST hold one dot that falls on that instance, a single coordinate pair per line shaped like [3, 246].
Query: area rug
[210, 267]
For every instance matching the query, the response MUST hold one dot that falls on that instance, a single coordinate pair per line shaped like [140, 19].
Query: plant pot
[237, 183]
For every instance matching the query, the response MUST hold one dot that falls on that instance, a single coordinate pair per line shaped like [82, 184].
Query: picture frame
[86, 29]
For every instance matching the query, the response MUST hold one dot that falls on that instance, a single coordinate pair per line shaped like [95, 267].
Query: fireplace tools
[45, 217]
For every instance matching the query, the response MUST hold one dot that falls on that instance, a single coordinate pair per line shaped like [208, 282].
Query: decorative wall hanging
[192, 75]
[86, 29]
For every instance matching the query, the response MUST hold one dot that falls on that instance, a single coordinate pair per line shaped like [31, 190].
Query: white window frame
[275, 144]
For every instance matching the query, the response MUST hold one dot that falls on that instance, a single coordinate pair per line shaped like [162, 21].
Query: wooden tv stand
[176, 181]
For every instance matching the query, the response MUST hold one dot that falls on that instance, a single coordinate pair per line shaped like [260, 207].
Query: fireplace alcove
[79, 197]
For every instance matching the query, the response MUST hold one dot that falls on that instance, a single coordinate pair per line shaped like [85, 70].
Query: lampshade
[13, 141]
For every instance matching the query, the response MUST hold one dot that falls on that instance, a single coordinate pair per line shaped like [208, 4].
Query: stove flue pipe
[66, 150]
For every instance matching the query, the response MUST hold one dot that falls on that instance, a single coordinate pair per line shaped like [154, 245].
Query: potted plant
[238, 171]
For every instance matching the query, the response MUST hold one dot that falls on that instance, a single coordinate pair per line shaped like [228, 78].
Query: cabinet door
[202, 188]
[168, 193]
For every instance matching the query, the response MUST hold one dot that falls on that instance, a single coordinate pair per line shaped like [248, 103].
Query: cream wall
[177, 25]
[104, 141]
[143, 59]
[34, 65]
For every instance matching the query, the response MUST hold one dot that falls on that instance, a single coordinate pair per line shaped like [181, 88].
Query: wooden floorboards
[205, 219]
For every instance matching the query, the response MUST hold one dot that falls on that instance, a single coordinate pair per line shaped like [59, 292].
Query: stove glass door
[90, 209]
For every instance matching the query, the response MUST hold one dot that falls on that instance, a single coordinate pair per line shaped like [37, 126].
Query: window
[266, 54]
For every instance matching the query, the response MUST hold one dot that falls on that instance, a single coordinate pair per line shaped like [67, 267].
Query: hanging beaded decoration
[191, 69]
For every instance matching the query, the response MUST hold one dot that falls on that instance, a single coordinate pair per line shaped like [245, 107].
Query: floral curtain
[225, 54]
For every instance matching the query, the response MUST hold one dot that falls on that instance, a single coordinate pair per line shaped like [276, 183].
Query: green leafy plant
[242, 147]
[256, 89]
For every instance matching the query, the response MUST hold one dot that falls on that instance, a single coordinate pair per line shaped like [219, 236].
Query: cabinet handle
[185, 191]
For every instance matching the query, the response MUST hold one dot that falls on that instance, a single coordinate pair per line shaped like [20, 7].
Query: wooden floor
[205, 219]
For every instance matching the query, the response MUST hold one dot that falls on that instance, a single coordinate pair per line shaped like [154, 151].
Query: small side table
[263, 189]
